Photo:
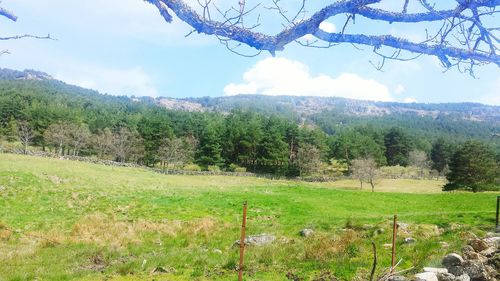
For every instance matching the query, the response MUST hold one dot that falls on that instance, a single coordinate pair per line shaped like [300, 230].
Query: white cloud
[281, 76]
[328, 27]
[132, 81]
[399, 89]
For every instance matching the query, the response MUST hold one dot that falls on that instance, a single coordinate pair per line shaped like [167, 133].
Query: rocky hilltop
[307, 106]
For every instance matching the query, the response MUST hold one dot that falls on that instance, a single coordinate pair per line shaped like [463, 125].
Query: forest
[49, 115]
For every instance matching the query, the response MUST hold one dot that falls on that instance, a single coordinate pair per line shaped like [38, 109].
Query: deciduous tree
[26, 135]
[365, 169]
[418, 159]
[57, 135]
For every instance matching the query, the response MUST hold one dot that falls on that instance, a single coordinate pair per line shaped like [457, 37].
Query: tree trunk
[373, 186]
[361, 182]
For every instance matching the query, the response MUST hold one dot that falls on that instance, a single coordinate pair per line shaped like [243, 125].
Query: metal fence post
[497, 227]
[242, 242]
[394, 236]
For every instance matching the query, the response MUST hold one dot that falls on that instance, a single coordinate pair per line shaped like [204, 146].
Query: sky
[124, 47]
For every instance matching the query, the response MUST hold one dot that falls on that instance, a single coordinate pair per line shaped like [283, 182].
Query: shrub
[235, 168]
[192, 167]
[240, 170]
[213, 168]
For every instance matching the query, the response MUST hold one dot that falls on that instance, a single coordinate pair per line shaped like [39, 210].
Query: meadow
[65, 220]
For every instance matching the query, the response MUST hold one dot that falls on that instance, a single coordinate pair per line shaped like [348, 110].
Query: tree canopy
[473, 166]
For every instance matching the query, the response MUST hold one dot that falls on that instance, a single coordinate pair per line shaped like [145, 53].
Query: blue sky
[125, 47]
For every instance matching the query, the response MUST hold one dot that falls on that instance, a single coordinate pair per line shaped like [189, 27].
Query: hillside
[81, 223]
[307, 106]
[255, 133]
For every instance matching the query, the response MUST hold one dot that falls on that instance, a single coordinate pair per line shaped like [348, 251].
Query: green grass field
[64, 220]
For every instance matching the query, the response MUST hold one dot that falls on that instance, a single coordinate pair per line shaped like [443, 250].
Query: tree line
[67, 120]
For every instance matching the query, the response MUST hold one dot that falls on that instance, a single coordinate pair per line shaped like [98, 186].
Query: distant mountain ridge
[298, 107]
[306, 106]
[27, 74]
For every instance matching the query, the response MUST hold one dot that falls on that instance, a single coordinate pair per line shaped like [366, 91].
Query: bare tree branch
[7, 14]
[463, 40]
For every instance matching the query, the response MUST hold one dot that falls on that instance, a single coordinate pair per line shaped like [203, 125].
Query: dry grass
[323, 247]
[390, 185]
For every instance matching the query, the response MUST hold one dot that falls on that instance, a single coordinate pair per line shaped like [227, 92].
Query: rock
[397, 278]
[306, 232]
[435, 270]
[409, 240]
[467, 235]
[446, 276]
[490, 252]
[379, 231]
[463, 277]
[452, 260]
[476, 271]
[456, 270]
[467, 250]
[495, 261]
[475, 256]
[478, 245]
[403, 227]
[444, 244]
[426, 276]
[258, 240]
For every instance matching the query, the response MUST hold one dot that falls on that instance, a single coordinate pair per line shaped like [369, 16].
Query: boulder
[409, 240]
[452, 260]
[435, 270]
[446, 276]
[258, 240]
[306, 232]
[476, 271]
[478, 245]
[476, 256]
[463, 277]
[493, 241]
[426, 276]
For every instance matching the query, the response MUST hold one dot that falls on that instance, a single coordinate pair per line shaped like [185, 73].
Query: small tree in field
[25, 135]
[78, 137]
[365, 169]
[57, 135]
[419, 160]
[473, 166]
[308, 159]
[173, 151]
[127, 145]
[103, 142]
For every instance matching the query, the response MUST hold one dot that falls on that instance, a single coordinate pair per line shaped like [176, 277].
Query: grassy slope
[125, 222]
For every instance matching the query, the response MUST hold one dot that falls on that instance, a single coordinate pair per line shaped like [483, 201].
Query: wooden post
[497, 227]
[394, 235]
[242, 241]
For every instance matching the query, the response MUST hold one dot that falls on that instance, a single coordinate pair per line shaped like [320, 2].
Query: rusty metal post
[242, 242]
[497, 227]
[394, 236]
